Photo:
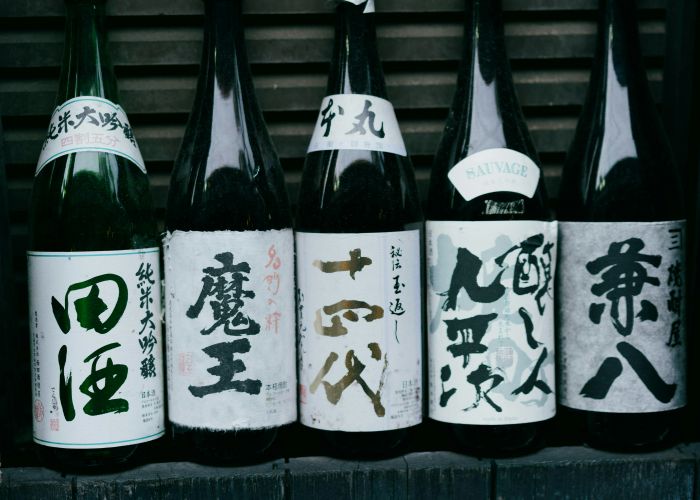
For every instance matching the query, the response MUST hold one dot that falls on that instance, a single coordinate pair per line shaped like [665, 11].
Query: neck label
[357, 121]
[369, 7]
[89, 123]
[621, 300]
[493, 170]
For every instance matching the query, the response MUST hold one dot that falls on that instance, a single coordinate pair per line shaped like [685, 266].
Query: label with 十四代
[96, 348]
[622, 316]
[490, 301]
[359, 317]
[230, 324]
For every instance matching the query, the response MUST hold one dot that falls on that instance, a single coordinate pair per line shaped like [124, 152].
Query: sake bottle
[491, 254]
[358, 247]
[621, 288]
[8, 338]
[229, 264]
[93, 269]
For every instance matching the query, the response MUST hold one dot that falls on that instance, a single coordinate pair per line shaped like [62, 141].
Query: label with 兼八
[622, 316]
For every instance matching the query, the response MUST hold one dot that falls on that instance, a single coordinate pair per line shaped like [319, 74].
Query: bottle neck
[356, 68]
[86, 68]
[620, 86]
[225, 89]
[484, 50]
[485, 84]
[618, 55]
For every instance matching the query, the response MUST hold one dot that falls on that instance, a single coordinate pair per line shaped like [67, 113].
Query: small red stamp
[184, 363]
[38, 410]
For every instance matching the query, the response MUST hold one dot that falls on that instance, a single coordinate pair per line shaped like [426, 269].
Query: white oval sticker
[493, 170]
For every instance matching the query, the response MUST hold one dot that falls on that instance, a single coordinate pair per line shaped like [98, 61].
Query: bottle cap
[369, 7]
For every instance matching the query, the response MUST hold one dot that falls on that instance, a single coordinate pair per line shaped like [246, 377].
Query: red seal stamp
[38, 410]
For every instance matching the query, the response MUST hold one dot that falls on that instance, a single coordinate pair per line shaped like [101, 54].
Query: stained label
[622, 316]
[230, 324]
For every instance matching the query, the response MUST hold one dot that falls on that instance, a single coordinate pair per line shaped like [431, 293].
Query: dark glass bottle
[620, 178]
[486, 132]
[7, 335]
[91, 219]
[353, 195]
[227, 194]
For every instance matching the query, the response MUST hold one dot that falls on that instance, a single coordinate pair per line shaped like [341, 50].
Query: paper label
[97, 362]
[359, 315]
[622, 316]
[230, 324]
[491, 321]
[356, 121]
[494, 170]
[89, 123]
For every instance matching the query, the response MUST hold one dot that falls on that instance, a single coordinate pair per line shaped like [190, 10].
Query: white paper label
[622, 316]
[89, 123]
[97, 362]
[491, 321]
[369, 8]
[356, 121]
[494, 170]
[230, 323]
[359, 313]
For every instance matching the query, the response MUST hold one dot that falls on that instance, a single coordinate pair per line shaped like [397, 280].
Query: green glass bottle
[94, 269]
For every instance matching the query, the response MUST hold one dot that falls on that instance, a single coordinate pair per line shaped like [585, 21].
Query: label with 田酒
[359, 317]
[89, 123]
[356, 121]
[230, 324]
[622, 316]
[490, 301]
[96, 348]
[493, 170]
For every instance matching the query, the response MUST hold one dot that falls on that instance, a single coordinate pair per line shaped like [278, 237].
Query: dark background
[156, 46]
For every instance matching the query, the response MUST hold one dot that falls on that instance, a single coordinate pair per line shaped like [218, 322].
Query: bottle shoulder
[91, 201]
[357, 191]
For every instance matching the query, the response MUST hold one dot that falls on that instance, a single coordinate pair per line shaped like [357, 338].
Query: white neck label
[493, 170]
[357, 121]
[88, 123]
